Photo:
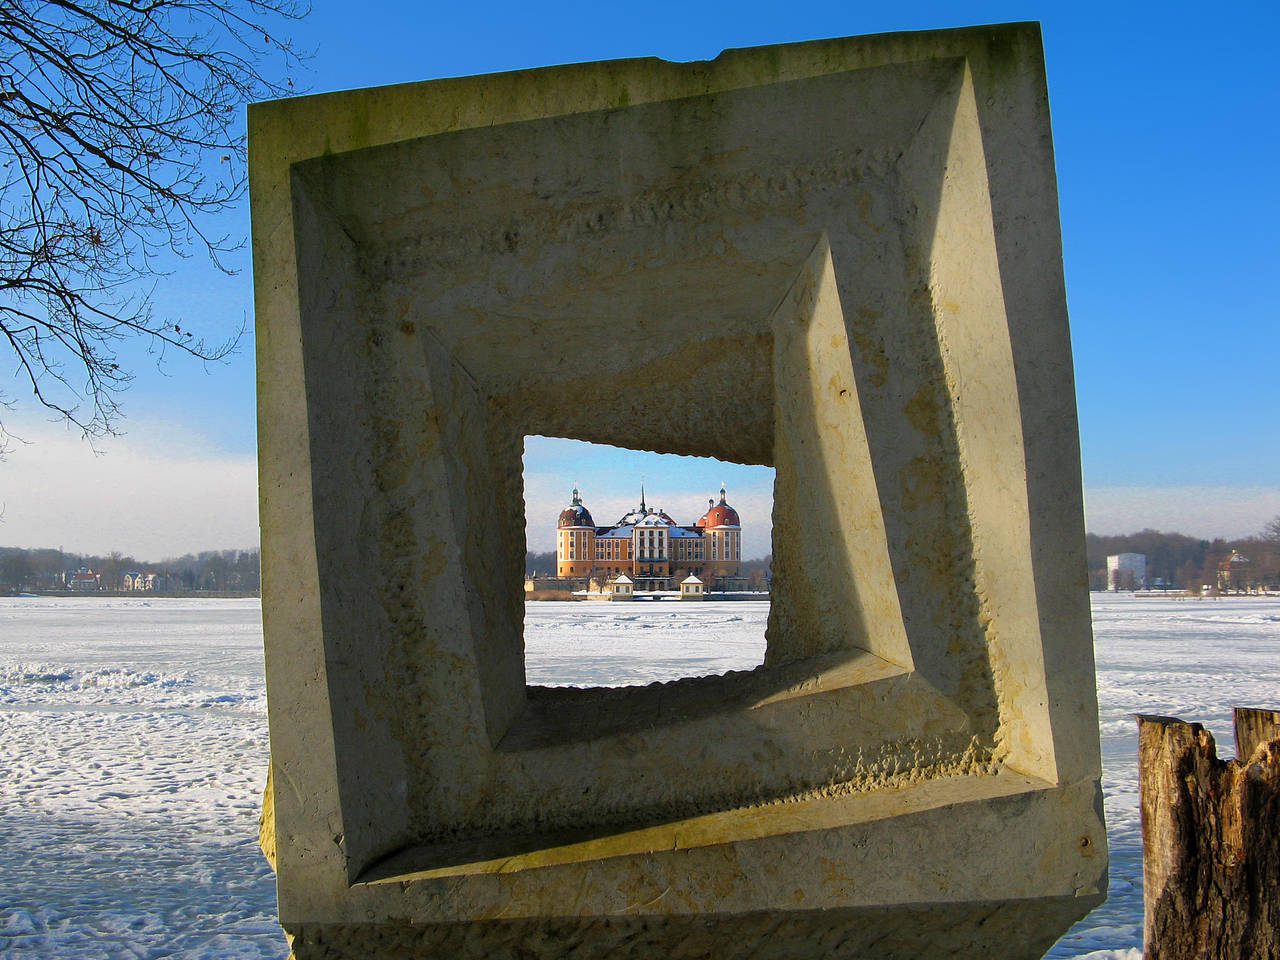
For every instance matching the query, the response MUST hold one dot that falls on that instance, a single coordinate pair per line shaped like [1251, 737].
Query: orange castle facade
[649, 546]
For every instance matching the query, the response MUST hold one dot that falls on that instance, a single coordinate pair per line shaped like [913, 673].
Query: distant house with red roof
[83, 579]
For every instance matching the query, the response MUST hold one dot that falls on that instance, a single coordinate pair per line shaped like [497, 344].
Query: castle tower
[652, 538]
[722, 531]
[575, 540]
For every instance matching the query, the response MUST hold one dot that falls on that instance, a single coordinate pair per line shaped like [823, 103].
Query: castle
[649, 546]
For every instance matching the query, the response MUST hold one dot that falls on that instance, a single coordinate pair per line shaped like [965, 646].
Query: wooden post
[1253, 729]
[1210, 839]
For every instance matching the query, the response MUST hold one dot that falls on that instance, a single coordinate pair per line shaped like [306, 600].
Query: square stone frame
[840, 258]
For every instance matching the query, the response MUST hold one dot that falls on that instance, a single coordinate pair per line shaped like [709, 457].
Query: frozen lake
[133, 749]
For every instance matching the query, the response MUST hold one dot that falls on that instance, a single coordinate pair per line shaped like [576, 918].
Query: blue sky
[1164, 118]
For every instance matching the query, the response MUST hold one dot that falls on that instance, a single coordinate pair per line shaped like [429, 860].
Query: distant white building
[1126, 571]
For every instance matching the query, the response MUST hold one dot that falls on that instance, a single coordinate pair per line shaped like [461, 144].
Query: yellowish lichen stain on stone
[871, 351]
[923, 410]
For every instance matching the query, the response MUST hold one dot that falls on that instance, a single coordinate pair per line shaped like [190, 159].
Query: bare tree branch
[1272, 530]
[120, 140]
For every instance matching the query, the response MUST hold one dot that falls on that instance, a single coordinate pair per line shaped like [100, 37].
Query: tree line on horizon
[45, 569]
[1175, 559]
[1189, 563]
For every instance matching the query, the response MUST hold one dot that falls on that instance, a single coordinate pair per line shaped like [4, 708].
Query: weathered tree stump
[1211, 839]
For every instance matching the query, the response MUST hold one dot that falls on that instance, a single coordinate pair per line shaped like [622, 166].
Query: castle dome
[719, 515]
[575, 515]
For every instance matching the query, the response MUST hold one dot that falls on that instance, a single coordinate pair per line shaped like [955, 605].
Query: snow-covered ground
[594, 644]
[1188, 658]
[133, 747]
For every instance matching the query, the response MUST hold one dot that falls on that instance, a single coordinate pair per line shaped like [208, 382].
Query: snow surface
[133, 749]
[640, 641]
[1184, 657]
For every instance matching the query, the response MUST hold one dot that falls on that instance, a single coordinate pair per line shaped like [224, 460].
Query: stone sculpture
[849, 249]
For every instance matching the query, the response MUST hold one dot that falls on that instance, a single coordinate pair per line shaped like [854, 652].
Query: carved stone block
[839, 258]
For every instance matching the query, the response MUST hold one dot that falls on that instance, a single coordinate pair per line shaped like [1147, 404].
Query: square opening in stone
[642, 567]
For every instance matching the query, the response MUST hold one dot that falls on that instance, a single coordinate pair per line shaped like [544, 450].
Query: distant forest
[1184, 562]
[234, 571]
[1173, 559]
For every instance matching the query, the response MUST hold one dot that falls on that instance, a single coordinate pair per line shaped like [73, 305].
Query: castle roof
[656, 520]
[719, 514]
[646, 517]
[575, 515]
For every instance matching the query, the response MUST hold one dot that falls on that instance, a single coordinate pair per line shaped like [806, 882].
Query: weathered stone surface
[964, 931]
[845, 256]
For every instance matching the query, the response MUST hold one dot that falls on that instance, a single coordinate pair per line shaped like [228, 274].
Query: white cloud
[157, 492]
[1198, 511]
